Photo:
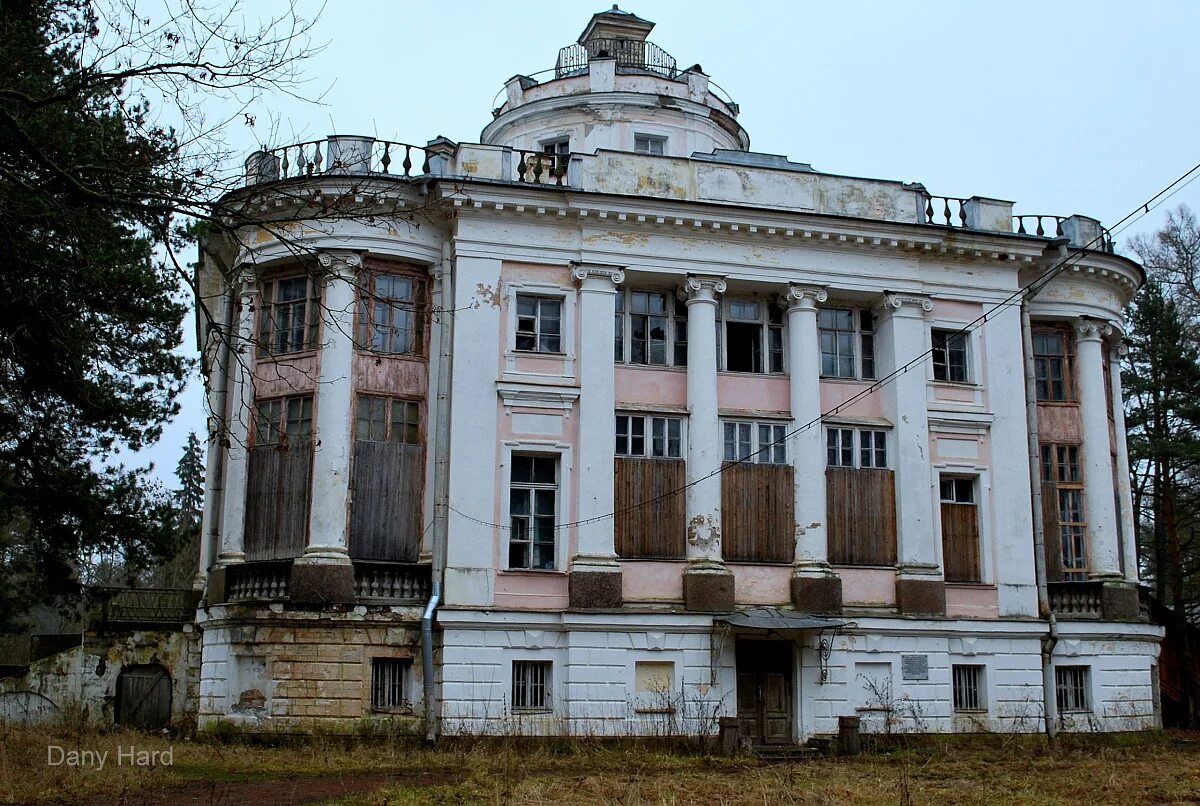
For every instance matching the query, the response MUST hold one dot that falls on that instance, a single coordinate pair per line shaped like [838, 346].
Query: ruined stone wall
[265, 667]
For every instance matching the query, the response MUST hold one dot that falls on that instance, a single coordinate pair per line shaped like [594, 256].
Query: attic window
[649, 144]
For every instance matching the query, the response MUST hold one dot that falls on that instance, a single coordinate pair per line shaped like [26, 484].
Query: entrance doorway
[144, 697]
[764, 691]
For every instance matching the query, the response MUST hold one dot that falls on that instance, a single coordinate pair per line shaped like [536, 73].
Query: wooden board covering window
[278, 495]
[861, 515]
[386, 501]
[960, 542]
[655, 531]
[757, 506]
[1052, 532]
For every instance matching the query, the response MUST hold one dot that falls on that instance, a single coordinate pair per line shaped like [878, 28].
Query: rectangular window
[649, 144]
[531, 685]
[968, 688]
[950, 356]
[961, 551]
[389, 683]
[753, 336]
[391, 315]
[1072, 684]
[763, 443]
[539, 324]
[1061, 477]
[289, 317]
[1052, 363]
[531, 504]
[561, 145]
[840, 444]
[652, 326]
[841, 330]
[649, 436]
[283, 421]
[383, 419]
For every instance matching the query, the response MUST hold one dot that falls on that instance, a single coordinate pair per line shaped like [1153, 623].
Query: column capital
[339, 263]
[1118, 351]
[899, 304]
[583, 272]
[245, 280]
[703, 287]
[803, 297]
[1091, 329]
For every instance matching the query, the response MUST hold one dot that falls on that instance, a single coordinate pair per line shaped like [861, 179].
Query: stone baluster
[815, 588]
[595, 576]
[707, 583]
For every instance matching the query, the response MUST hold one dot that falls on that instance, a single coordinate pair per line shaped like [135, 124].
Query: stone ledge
[708, 591]
[925, 597]
[595, 590]
[818, 595]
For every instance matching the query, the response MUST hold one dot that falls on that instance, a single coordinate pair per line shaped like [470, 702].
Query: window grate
[1071, 683]
[531, 685]
[389, 677]
[968, 688]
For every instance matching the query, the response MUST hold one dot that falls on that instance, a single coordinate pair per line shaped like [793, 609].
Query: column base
[819, 595]
[708, 588]
[214, 591]
[322, 583]
[1120, 602]
[921, 597]
[595, 586]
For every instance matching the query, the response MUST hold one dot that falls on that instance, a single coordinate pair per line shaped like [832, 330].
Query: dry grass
[1000, 771]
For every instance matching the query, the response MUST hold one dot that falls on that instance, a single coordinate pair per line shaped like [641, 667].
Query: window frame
[1041, 367]
[778, 429]
[537, 333]
[519, 671]
[417, 307]
[977, 696]
[279, 435]
[404, 667]
[675, 344]
[542, 449]
[1072, 534]
[389, 422]
[772, 338]
[551, 145]
[945, 365]
[1065, 690]
[648, 422]
[863, 356]
[856, 448]
[651, 140]
[267, 325]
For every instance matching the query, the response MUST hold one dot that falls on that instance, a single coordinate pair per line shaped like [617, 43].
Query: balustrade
[265, 581]
[541, 168]
[1077, 599]
[945, 210]
[393, 582]
[335, 155]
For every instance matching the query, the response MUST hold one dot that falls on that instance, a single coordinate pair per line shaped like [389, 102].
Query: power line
[1031, 288]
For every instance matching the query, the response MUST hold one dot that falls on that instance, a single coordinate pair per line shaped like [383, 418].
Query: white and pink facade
[654, 430]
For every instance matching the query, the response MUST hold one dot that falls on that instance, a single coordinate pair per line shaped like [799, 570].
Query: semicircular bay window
[392, 314]
[279, 482]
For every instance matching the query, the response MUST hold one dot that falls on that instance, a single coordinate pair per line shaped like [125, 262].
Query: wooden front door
[764, 691]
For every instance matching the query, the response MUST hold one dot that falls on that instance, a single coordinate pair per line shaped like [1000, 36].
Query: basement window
[968, 688]
[530, 685]
[1072, 684]
[389, 684]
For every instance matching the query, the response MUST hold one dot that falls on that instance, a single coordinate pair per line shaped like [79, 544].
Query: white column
[597, 402]
[902, 335]
[328, 524]
[236, 427]
[1098, 500]
[703, 498]
[1124, 485]
[808, 454]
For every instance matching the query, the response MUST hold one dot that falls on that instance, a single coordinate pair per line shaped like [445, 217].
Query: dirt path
[267, 793]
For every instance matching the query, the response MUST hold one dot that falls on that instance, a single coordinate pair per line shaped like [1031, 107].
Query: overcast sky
[1064, 107]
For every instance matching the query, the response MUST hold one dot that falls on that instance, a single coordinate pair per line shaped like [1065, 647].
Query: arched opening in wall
[144, 697]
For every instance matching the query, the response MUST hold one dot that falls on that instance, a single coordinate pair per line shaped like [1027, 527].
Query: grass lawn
[993, 769]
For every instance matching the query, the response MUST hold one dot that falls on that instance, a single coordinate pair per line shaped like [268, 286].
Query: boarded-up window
[960, 530]
[757, 513]
[649, 508]
[387, 481]
[277, 501]
[861, 515]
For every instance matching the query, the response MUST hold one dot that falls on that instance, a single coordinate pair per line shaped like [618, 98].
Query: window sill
[537, 571]
[520, 711]
[956, 384]
[649, 711]
[538, 353]
[275, 358]
[398, 710]
[971, 585]
[970, 712]
[838, 379]
[380, 354]
[652, 367]
[1058, 403]
[747, 373]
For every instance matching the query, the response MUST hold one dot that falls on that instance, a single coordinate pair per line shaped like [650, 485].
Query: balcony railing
[631, 54]
[1077, 599]
[947, 211]
[339, 154]
[143, 606]
[374, 582]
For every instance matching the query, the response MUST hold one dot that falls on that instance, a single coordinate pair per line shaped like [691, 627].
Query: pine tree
[189, 498]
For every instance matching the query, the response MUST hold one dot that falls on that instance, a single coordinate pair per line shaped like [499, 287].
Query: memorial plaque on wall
[914, 667]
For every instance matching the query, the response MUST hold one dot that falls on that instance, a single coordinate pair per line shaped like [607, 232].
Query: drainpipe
[214, 483]
[1049, 695]
[441, 489]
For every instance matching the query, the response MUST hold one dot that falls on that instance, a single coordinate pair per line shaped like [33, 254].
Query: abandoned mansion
[609, 425]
